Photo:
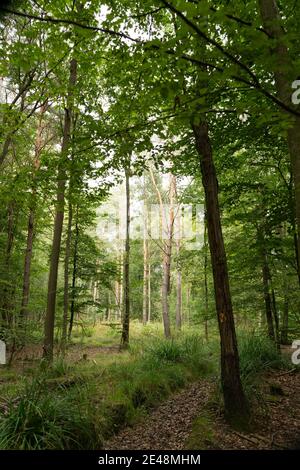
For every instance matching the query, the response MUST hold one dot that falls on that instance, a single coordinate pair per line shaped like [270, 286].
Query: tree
[236, 407]
[59, 217]
[126, 279]
[284, 75]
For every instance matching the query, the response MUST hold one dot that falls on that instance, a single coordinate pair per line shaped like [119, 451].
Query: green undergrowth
[78, 406]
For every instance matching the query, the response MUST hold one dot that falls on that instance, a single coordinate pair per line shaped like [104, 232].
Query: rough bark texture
[126, 313]
[236, 407]
[58, 221]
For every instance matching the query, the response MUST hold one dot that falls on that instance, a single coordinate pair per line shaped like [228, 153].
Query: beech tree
[192, 89]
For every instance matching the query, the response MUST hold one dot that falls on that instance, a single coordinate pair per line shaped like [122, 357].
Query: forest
[150, 225]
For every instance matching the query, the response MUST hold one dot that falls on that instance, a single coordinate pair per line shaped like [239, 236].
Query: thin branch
[50, 19]
[151, 12]
[211, 41]
[242, 22]
[254, 84]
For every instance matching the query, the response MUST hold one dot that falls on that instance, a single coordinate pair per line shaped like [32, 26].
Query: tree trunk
[74, 276]
[205, 278]
[66, 276]
[7, 292]
[285, 321]
[284, 74]
[179, 275]
[146, 270]
[236, 406]
[31, 219]
[276, 318]
[188, 301]
[178, 301]
[59, 218]
[27, 266]
[126, 313]
[167, 253]
[167, 258]
[267, 295]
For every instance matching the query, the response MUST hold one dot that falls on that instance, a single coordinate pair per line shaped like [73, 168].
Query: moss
[202, 435]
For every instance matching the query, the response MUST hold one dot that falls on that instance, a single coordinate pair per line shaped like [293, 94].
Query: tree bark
[285, 320]
[188, 301]
[149, 293]
[39, 142]
[66, 276]
[179, 274]
[7, 292]
[235, 403]
[167, 253]
[276, 318]
[59, 218]
[205, 278]
[74, 276]
[27, 265]
[267, 295]
[126, 313]
[179, 301]
[167, 258]
[146, 269]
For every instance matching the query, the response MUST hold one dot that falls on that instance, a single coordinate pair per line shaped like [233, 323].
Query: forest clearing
[150, 227]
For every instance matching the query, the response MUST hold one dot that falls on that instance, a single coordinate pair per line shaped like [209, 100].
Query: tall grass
[41, 420]
[190, 350]
[258, 353]
[55, 413]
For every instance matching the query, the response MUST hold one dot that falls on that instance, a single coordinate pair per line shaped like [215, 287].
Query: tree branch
[253, 84]
[50, 19]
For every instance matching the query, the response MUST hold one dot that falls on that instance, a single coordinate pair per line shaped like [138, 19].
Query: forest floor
[189, 420]
[157, 395]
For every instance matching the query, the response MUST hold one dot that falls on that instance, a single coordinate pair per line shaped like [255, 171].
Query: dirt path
[167, 427]
[170, 425]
